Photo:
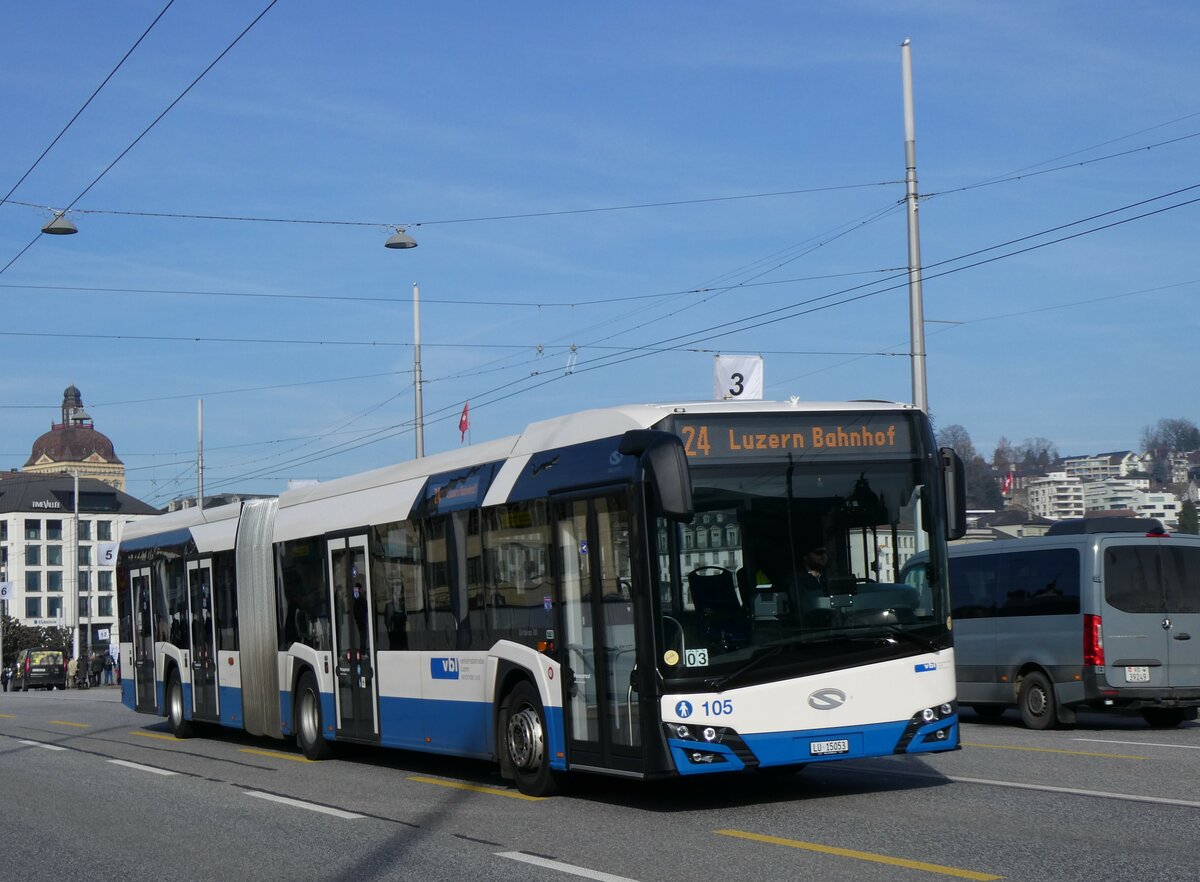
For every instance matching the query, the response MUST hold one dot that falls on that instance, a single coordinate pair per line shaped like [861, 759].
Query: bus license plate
[828, 748]
[1137, 674]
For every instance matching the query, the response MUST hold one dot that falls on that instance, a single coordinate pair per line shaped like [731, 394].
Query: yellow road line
[861, 855]
[458, 785]
[1054, 750]
[76, 725]
[8, 716]
[146, 734]
[276, 755]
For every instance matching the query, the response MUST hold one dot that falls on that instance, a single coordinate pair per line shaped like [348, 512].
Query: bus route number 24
[695, 440]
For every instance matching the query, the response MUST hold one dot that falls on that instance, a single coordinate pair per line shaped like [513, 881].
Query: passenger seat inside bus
[715, 596]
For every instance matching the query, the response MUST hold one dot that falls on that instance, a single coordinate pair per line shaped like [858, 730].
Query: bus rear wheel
[309, 725]
[1039, 709]
[526, 744]
[181, 727]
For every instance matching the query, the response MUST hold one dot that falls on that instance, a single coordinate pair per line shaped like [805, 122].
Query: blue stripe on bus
[128, 693]
[231, 707]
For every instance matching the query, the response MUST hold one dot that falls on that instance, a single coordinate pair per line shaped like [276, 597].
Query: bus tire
[309, 722]
[1036, 701]
[181, 727]
[1163, 717]
[526, 743]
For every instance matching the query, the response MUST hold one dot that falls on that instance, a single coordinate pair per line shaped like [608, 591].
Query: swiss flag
[1005, 484]
[464, 422]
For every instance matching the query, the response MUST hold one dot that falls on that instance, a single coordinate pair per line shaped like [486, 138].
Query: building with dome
[74, 447]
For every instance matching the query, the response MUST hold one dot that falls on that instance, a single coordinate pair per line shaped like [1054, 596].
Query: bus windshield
[795, 557]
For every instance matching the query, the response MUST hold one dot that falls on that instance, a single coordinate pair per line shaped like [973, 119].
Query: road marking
[8, 716]
[146, 734]
[1102, 794]
[561, 867]
[861, 855]
[277, 755]
[1054, 750]
[141, 768]
[1140, 743]
[67, 723]
[43, 744]
[458, 785]
[309, 806]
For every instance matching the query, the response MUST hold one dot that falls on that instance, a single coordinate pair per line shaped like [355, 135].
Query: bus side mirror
[665, 463]
[955, 485]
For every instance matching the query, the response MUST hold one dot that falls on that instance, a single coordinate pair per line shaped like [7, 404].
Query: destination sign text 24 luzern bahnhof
[845, 434]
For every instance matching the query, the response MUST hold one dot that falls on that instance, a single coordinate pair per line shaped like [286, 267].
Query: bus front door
[602, 707]
[353, 639]
[145, 687]
[204, 640]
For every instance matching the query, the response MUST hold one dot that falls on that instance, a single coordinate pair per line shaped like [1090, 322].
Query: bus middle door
[353, 639]
[145, 687]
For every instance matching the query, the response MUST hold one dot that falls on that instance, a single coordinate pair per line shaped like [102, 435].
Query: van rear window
[45, 657]
[1152, 578]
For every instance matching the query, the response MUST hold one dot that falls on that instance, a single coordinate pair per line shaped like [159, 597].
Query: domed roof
[72, 444]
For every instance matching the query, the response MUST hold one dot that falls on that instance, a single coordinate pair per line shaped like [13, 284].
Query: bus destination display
[809, 435]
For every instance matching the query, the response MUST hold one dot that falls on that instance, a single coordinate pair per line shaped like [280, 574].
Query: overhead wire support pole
[420, 408]
[916, 307]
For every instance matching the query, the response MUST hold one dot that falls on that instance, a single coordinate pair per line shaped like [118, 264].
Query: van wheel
[526, 744]
[1163, 717]
[181, 727]
[309, 725]
[1036, 699]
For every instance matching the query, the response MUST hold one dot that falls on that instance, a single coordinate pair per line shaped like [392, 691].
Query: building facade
[74, 447]
[61, 566]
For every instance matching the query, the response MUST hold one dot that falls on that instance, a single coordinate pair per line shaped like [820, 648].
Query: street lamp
[61, 225]
[401, 239]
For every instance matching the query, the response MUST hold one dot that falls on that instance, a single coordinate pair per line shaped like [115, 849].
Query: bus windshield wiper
[925, 642]
[718, 684]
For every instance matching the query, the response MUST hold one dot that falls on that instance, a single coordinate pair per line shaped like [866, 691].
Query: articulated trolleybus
[625, 591]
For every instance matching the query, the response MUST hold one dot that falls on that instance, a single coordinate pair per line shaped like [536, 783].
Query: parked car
[39, 669]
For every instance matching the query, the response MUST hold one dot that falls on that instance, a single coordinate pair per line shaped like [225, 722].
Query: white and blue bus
[617, 591]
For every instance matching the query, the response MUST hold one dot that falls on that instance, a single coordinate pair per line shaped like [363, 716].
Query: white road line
[1102, 794]
[142, 768]
[310, 806]
[1139, 743]
[43, 744]
[562, 868]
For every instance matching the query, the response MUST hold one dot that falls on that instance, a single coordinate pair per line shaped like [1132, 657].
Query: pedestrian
[97, 668]
[5, 675]
[108, 669]
[117, 670]
[72, 670]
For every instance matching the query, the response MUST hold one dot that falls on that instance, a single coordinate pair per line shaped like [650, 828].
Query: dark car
[39, 669]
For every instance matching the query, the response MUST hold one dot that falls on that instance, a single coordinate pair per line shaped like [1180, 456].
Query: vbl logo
[443, 668]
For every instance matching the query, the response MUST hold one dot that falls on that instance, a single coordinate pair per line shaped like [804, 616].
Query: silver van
[1098, 613]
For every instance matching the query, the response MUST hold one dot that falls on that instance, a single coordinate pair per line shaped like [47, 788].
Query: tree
[18, 636]
[983, 491]
[1036, 455]
[1005, 457]
[1165, 437]
[1189, 519]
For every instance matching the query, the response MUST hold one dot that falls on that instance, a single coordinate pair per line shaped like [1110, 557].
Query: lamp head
[60, 226]
[400, 239]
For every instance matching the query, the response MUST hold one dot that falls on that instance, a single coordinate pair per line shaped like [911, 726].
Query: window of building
[85, 580]
[105, 606]
[105, 580]
[33, 581]
[85, 531]
[85, 555]
[33, 555]
[83, 607]
[33, 607]
[104, 531]
[54, 531]
[54, 581]
[54, 555]
[3, 531]
[54, 607]
[33, 529]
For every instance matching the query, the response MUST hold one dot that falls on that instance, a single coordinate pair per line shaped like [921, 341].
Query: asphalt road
[92, 791]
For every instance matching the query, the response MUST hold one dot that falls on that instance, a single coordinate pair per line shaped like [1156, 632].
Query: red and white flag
[1005, 484]
[464, 422]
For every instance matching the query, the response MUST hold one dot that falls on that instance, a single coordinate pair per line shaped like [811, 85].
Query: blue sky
[512, 138]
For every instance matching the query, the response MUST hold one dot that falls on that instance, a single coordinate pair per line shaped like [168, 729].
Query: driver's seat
[715, 595]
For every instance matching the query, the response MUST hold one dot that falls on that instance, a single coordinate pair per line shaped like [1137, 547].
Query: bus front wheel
[1039, 709]
[526, 742]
